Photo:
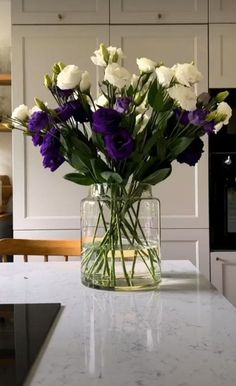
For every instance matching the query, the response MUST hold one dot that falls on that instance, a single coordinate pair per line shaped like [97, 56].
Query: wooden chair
[26, 247]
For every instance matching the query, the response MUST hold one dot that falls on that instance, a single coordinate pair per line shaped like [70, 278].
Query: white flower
[106, 55]
[223, 109]
[184, 96]
[146, 65]
[69, 77]
[101, 101]
[85, 83]
[34, 109]
[116, 75]
[187, 74]
[134, 80]
[21, 112]
[115, 54]
[98, 58]
[165, 75]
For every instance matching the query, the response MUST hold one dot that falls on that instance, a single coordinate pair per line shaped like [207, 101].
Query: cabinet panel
[42, 199]
[187, 244]
[222, 11]
[184, 195]
[222, 60]
[158, 12]
[223, 273]
[60, 11]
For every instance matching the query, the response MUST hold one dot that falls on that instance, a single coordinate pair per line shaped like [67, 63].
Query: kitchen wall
[5, 91]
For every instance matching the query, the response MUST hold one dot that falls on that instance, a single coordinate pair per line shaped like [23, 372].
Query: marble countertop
[182, 335]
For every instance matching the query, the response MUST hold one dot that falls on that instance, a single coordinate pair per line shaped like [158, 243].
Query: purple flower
[197, 117]
[106, 120]
[209, 127]
[78, 112]
[182, 115]
[192, 154]
[119, 145]
[64, 112]
[38, 121]
[122, 104]
[50, 150]
[63, 93]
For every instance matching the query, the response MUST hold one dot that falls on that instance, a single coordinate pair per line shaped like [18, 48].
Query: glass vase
[120, 233]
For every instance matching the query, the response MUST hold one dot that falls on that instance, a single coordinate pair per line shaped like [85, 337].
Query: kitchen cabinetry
[223, 273]
[222, 11]
[5, 80]
[222, 61]
[60, 12]
[158, 12]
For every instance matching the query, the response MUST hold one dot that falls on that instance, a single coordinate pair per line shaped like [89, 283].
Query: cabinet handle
[217, 259]
[159, 15]
[60, 17]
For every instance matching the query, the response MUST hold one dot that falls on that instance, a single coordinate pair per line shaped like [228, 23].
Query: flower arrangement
[129, 135]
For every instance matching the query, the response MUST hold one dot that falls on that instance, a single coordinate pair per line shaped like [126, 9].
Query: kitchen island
[182, 335]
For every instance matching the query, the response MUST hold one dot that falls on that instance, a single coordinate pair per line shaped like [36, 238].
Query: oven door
[222, 201]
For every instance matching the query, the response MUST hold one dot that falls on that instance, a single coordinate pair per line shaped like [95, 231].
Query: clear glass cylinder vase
[120, 233]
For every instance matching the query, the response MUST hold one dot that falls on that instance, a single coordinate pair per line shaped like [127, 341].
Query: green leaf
[112, 177]
[179, 145]
[79, 164]
[98, 167]
[79, 178]
[157, 176]
[158, 98]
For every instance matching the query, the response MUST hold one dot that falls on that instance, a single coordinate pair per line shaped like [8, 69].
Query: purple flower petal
[106, 120]
[119, 145]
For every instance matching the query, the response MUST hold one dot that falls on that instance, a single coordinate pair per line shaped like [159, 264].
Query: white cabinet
[184, 195]
[222, 58]
[223, 273]
[60, 11]
[42, 199]
[158, 12]
[222, 11]
[187, 244]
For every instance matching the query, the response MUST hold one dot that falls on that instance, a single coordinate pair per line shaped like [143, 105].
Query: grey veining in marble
[182, 335]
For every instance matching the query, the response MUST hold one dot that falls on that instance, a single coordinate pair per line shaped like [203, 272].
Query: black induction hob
[23, 329]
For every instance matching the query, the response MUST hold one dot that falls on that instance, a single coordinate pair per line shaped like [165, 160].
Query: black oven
[222, 182]
[222, 200]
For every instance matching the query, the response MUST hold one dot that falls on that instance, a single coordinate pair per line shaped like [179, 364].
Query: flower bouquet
[120, 144]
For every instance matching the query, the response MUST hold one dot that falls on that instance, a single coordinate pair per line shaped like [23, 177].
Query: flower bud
[85, 83]
[40, 104]
[47, 81]
[221, 96]
[104, 52]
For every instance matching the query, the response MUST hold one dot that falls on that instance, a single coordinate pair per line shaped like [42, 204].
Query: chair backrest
[26, 247]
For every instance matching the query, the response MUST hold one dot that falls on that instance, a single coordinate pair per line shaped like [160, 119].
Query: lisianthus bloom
[146, 65]
[223, 110]
[165, 75]
[20, 113]
[122, 104]
[105, 55]
[119, 145]
[38, 121]
[184, 96]
[72, 109]
[50, 150]
[105, 121]
[187, 74]
[192, 154]
[117, 76]
[69, 77]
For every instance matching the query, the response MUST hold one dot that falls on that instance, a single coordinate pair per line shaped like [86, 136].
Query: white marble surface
[182, 335]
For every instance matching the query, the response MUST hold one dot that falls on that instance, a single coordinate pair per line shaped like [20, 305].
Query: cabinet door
[222, 58]
[187, 244]
[158, 12]
[223, 273]
[42, 199]
[222, 11]
[60, 12]
[184, 195]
